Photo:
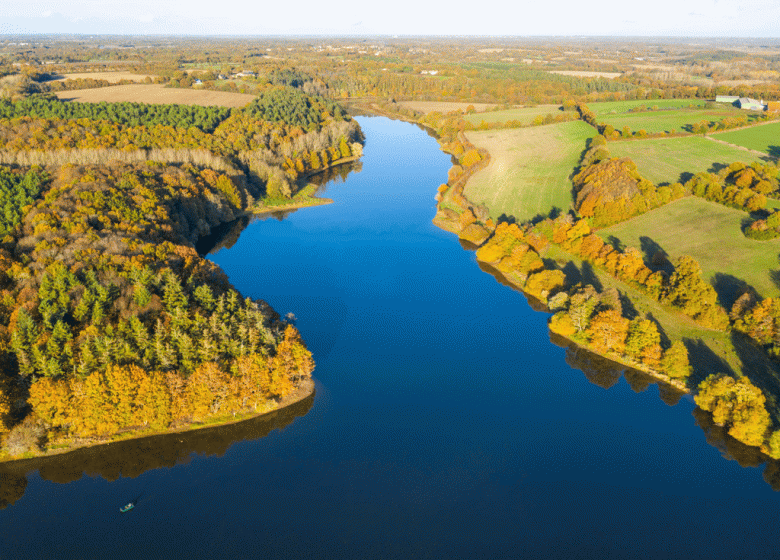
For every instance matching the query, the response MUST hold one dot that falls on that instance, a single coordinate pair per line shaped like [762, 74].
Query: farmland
[670, 120]
[157, 93]
[619, 107]
[764, 138]
[525, 115]
[668, 160]
[711, 234]
[444, 106]
[529, 169]
[112, 77]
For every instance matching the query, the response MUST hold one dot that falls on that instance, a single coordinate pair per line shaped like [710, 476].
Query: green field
[673, 116]
[529, 171]
[664, 160]
[525, 115]
[604, 108]
[763, 138]
[711, 234]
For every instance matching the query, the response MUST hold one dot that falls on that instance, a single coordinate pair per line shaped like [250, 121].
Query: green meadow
[763, 138]
[530, 168]
[710, 233]
[665, 160]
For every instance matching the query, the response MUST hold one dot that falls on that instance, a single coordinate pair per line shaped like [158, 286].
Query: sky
[688, 18]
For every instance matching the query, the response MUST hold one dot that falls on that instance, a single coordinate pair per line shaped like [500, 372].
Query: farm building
[726, 98]
[750, 104]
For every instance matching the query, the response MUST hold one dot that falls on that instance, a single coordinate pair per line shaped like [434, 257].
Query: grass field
[764, 138]
[444, 106]
[711, 234]
[157, 93]
[674, 114]
[529, 170]
[112, 77]
[604, 108]
[664, 160]
[523, 114]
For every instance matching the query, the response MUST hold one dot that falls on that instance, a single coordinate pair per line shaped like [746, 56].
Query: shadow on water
[733, 450]
[225, 235]
[535, 304]
[605, 373]
[131, 458]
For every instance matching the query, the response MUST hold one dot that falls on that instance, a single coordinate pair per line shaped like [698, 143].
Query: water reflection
[225, 235]
[132, 458]
[605, 373]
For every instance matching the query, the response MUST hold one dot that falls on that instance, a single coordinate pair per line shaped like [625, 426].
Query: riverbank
[304, 198]
[65, 445]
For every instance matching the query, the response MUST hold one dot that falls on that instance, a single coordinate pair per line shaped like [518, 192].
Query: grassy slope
[525, 114]
[764, 138]
[529, 170]
[710, 233]
[663, 160]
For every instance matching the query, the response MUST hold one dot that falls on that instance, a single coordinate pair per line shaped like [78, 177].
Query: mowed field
[444, 106]
[523, 114]
[664, 160]
[763, 137]
[157, 93]
[711, 234]
[673, 114]
[112, 77]
[603, 108]
[529, 169]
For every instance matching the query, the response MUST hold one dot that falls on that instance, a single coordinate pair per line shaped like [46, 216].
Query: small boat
[127, 508]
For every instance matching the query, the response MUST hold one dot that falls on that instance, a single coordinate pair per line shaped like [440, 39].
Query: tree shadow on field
[504, 218]
[704, 362]
[730, 288]
[665, 342]
[717, 167]
[762, 371]
[774, 151]
[774, 275]
[616, 243]
[552, 214]
[583, 274]
[685, 176]
[655, 257]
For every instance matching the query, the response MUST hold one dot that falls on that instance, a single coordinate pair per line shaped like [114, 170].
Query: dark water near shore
[445, 423]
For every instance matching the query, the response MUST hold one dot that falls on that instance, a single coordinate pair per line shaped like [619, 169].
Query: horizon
[699, 19]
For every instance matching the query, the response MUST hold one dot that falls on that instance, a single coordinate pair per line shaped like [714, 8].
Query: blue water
[445, 423]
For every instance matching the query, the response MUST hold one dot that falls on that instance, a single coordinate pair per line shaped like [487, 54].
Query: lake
[445, 422]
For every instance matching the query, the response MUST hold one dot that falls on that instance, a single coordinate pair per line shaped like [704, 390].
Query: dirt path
[743, 148]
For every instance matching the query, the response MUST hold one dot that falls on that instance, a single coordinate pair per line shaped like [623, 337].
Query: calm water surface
[445, 423]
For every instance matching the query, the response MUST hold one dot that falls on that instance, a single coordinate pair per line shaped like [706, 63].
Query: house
[750, 104]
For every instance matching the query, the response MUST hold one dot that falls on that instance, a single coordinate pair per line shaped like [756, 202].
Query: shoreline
[306, 389]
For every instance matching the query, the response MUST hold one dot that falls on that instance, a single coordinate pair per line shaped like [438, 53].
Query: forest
[112, 322]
